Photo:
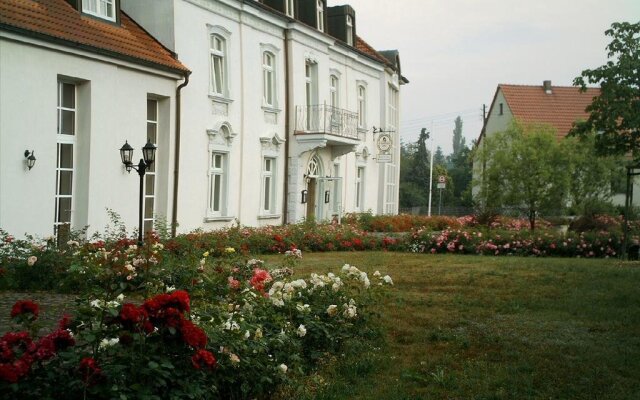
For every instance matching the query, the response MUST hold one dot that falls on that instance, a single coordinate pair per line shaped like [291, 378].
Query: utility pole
[430, 173]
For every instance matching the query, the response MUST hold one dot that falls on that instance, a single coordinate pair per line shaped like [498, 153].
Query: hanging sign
[384, 144]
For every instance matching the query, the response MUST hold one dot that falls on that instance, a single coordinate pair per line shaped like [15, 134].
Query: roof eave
[92, 49]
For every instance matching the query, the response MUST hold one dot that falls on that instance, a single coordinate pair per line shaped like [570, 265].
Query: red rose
[203, 358]
[23, 307]
[89, 370]
[131, 316]
[193, 335]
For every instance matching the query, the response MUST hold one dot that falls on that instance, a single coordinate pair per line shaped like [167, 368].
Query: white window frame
[223, 173]
[100, 8]
[334, 91]
[349, 30]
[269, 79]
[217, 69]
[390, 186]
[320, 14]
[65, 139]
[362, 106]
[360, 187]
[269, 177]
[290, 8]
[150, 174]
[392, 108]
[223, 93]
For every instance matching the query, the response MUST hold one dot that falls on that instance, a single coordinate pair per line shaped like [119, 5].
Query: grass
[465, 327]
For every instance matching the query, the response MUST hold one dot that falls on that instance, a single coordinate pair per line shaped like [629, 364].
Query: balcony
[326, 120]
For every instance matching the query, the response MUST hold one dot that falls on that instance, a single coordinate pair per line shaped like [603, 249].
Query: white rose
[301, 331]
[283, 368]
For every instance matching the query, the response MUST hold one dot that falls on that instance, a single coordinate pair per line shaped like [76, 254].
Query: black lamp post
[149, 156]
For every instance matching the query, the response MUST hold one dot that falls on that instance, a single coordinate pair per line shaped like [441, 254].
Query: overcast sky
[456, 52]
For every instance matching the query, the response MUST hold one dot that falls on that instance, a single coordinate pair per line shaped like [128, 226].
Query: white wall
[111, 109]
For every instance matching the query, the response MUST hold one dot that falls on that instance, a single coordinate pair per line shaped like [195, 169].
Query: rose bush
[232, 328]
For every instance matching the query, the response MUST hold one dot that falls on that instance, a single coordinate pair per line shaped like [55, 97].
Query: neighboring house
[556, 106]
[278, 117]
[78, 78]
[274, 125]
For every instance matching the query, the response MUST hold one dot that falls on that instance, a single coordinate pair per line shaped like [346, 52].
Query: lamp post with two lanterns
[148, 157]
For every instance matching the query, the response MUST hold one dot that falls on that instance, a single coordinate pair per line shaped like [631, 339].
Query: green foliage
[591, 176]
[458, 140]
[616, 112]
[525, 169]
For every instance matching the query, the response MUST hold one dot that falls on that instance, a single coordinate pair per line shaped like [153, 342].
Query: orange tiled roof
[57, 19]
[560, 109]
[367, 49]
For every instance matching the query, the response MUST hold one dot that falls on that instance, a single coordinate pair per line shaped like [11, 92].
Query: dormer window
[104, 9]
[320, 15]
[349, 30]
[290, 8]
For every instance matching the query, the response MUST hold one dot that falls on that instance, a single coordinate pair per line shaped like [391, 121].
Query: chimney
[546, 85]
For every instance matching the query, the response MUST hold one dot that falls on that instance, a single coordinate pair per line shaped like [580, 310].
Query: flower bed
[207, 327]
[522, 243]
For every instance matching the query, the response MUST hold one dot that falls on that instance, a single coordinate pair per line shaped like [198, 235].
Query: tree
[591, 176]
[458, 140]
[414, 172]
[525, 169]
[615, 114]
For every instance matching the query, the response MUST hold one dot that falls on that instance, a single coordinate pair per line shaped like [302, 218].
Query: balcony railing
[327, 120]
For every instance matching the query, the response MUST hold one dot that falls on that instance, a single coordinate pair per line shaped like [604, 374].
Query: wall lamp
[30, 159]
[303, 200]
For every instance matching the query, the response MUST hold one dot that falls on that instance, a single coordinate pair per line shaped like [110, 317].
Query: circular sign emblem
[384, 142]
[442, 179]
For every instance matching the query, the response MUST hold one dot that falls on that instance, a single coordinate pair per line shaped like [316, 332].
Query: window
[393, 108]
[362, 107]
[217, 183]
[268, 185]
[268, 76]
[100, 8]
[290, 8]
[333, 88]
[501, 109]
[311, 91]
[360, 189]
[218, 78]
[390, 201]
[150, 175]
[66, 146]
[320, 15]
[349, 30]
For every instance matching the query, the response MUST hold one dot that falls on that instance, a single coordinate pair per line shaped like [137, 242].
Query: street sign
[384, 158]
[442, 179]
[441, 185]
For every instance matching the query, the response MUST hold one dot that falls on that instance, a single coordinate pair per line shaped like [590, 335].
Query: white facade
[228, 115]
[105, 104]
[276, 124]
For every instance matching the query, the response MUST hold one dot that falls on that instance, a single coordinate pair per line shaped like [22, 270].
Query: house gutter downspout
[176, 165]
[287, 124]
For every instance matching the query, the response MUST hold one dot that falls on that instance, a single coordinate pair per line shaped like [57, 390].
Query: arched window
[269, 79]
[218, 74]
[315, 169]
[334, 100]
[362, 107]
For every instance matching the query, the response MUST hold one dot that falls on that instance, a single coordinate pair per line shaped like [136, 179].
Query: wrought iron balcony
[326, 119]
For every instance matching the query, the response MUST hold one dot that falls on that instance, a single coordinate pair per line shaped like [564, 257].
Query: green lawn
[466, 327]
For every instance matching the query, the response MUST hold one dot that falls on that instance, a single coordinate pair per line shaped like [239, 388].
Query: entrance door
[311, 199]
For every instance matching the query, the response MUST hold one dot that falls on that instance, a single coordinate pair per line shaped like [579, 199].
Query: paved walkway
[52, 307]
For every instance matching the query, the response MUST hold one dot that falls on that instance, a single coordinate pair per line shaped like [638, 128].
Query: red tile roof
[58, 20]
[560, 109]
[370, 51]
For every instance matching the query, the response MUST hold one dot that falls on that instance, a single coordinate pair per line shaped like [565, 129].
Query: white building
[280, 109]
[78, 79]
[274, 125]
